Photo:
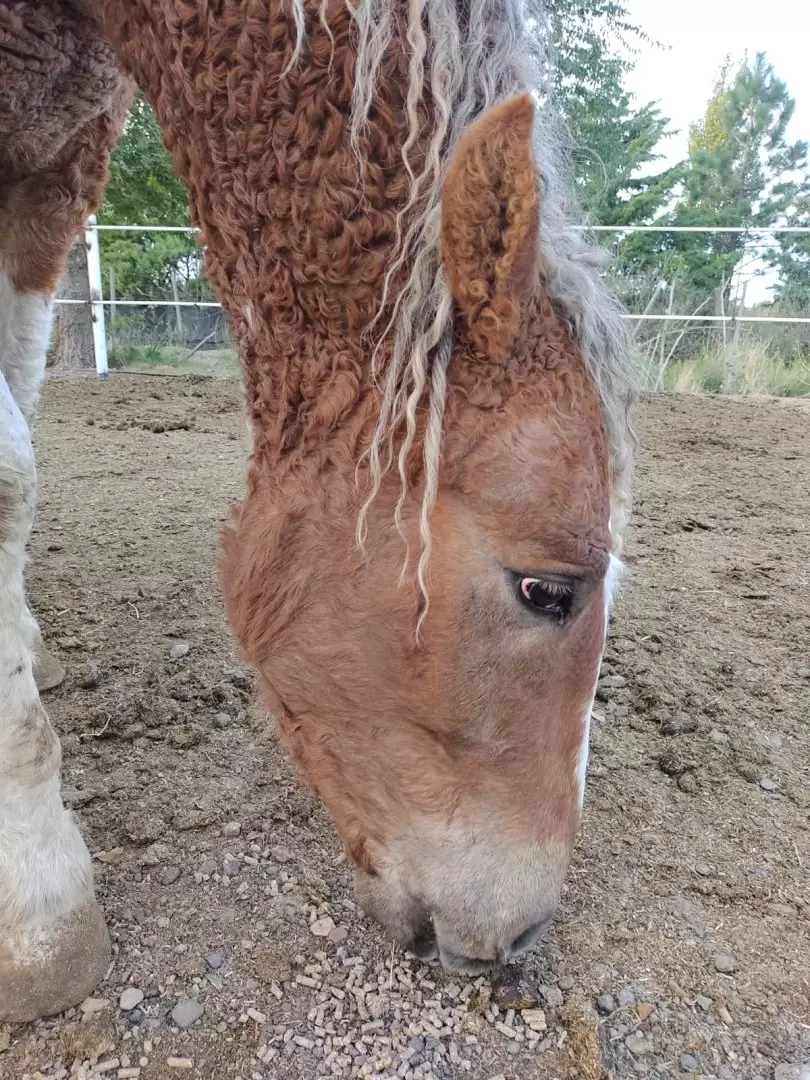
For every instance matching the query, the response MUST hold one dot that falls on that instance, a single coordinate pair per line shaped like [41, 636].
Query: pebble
[338, 934]
[129, 998]
[215, 959]
[689, 1063]
[232, 828]
[719, 738]
[606, 1004]
[179, 650]
[767, 784]
[208, 866]
[280, 854]
[612, 682]
[90, 1006]
[637, 1044]
[222, 720]
[626, 998]
[688, 783]
[782, 909]
[725, 964]
[322, 927]
[704, 1002]
[551, 995]
[231, 866]
[186, 1012]
[179, 1063]
[168, 875]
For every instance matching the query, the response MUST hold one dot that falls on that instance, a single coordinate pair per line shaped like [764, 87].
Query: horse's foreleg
[25, 319]
[53, 942]
[54, 945]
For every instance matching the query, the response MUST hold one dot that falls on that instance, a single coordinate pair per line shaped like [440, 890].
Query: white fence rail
[98, 302]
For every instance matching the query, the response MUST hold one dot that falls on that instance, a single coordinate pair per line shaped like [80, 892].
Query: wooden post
[177, 309]
[72, 336]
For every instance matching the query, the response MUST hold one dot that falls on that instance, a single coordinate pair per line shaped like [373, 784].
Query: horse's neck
[297, 222]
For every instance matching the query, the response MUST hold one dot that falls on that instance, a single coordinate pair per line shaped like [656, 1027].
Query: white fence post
[96, 295]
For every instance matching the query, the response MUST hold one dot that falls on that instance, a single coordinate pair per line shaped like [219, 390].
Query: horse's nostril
[524, 941]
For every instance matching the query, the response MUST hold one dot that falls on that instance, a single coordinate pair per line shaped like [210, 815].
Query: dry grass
[754, 367]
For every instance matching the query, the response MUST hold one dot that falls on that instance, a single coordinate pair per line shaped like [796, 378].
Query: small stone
[767, 784]
[626, 998]
[215, 959]
[168, 875]
[786, 910]
[186, 1012]
[688, 783]
[804, 672]
[338, 934]
[566, 982]
[222, 720]
[155, 854]
[416, 1043]
[280, 854]
[719, 738]
[645, 1009]
[231, 866]
[689, 1063]
[551, 995]
[256, 1016]
[130, 997]
[703, 1002]
[208, 866]
[90, 1006]
[680, 724]
[179, 1063]
[725, 964]
[322, 927]
[612, 682]
[179, 650]
[232, 828]
[606, 1004]
[637, 1044]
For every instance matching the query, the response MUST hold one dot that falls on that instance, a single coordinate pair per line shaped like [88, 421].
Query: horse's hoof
[47, 968]
[48, 671]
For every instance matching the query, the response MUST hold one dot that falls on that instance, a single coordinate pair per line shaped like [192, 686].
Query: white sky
[699, 34]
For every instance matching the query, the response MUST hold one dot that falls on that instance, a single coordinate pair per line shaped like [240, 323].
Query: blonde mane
[473, 55]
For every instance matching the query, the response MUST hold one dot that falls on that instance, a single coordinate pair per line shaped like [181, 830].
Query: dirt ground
[682, 942]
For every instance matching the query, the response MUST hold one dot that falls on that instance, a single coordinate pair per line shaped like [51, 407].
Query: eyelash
[546, 597]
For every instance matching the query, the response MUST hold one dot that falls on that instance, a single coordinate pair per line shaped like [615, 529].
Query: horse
[436, 381]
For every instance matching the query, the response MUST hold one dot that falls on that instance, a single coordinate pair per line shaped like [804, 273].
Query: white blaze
[611, 580]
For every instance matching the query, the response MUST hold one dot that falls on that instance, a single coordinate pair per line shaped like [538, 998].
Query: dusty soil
[682, 943]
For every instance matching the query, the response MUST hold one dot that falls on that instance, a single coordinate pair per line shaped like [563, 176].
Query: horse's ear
[491, 223]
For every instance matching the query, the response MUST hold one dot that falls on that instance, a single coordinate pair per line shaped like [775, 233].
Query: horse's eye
[549, 597]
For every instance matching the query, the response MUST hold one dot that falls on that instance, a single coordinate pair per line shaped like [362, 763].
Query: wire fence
[184, 314]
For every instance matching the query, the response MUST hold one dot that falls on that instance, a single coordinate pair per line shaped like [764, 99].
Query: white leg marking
[25, 329]
[611, 581]
[44, 865]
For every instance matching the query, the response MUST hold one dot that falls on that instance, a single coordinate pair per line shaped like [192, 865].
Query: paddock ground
[682, 942]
